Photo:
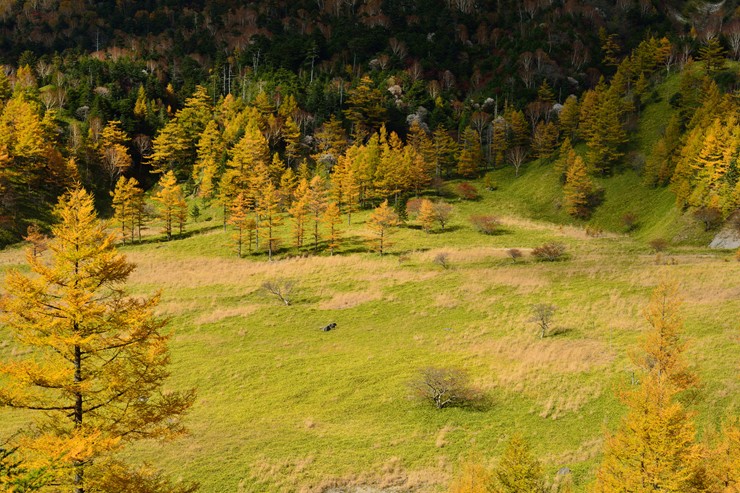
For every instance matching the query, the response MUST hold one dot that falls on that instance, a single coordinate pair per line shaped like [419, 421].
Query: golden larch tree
[654, 448]
[127, 199]
[210, 152]
[172, 205]
[97, 358]
[114, 155]
[381, 224]
[140, 106]
[288, 184]
[169, 148]
[268, 210]
[577, 188]
[445, 149]
[473, 477]
[427, 215]
[292, 139]
[469, 161]
[332, 217]
[298, 211]
[316, 202]
[239, 218]
[518, 471]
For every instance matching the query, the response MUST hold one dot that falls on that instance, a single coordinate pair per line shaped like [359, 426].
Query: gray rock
[728, 238]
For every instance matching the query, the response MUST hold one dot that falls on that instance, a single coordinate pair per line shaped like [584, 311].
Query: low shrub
[549, 251]
[487, 225]
[466, 191]
[659, 244]
[710, 217]
[413, 206]
[629, 221]
[444, 387]
[514, 254]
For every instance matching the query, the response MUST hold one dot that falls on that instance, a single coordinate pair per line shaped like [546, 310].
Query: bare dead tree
[442, 259]
[542, 314]
[526, 69]
[516, 156]
[415, 71]
[732, 32]
[398, 48]
[280, 288]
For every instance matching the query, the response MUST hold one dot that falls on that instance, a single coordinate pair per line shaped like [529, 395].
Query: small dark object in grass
[329, 327]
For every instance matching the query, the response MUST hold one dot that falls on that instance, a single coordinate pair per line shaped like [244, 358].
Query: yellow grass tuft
[215, 316]
[343, 301]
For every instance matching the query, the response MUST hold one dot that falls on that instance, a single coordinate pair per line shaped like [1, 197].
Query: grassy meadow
[284, 407]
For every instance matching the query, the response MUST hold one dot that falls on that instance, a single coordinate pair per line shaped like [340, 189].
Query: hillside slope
[283, 406]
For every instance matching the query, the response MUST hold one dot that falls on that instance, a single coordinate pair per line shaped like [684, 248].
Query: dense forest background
[451, 65]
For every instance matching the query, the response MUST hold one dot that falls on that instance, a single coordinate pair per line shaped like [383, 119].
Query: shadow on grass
[497, 232]
[175, 236]
[560, 332]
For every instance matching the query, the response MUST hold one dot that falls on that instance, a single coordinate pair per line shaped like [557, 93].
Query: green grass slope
[537, 192]
[284, 407]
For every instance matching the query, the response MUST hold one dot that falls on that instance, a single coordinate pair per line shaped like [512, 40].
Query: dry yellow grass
[587, 450]
[446, 300]
[206, 271]
[216, 315]
[560, 230]
[343, 301]
[515, 358]
[441, 439]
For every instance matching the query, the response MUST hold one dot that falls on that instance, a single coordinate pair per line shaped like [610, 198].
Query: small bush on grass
[444, 387]
[514, 254]
[489, 183]
[710, 217]
[488, 225]
[659, 245]
[630, 221]
[549, 252]
[466, 191]
[542, 314]
[413, 206]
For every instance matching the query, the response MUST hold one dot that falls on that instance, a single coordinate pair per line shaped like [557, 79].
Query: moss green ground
[286, 407]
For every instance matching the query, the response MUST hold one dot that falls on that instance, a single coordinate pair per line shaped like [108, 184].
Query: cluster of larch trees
[702, 164]
[255, 157]
[260, 163]
[697, 153]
